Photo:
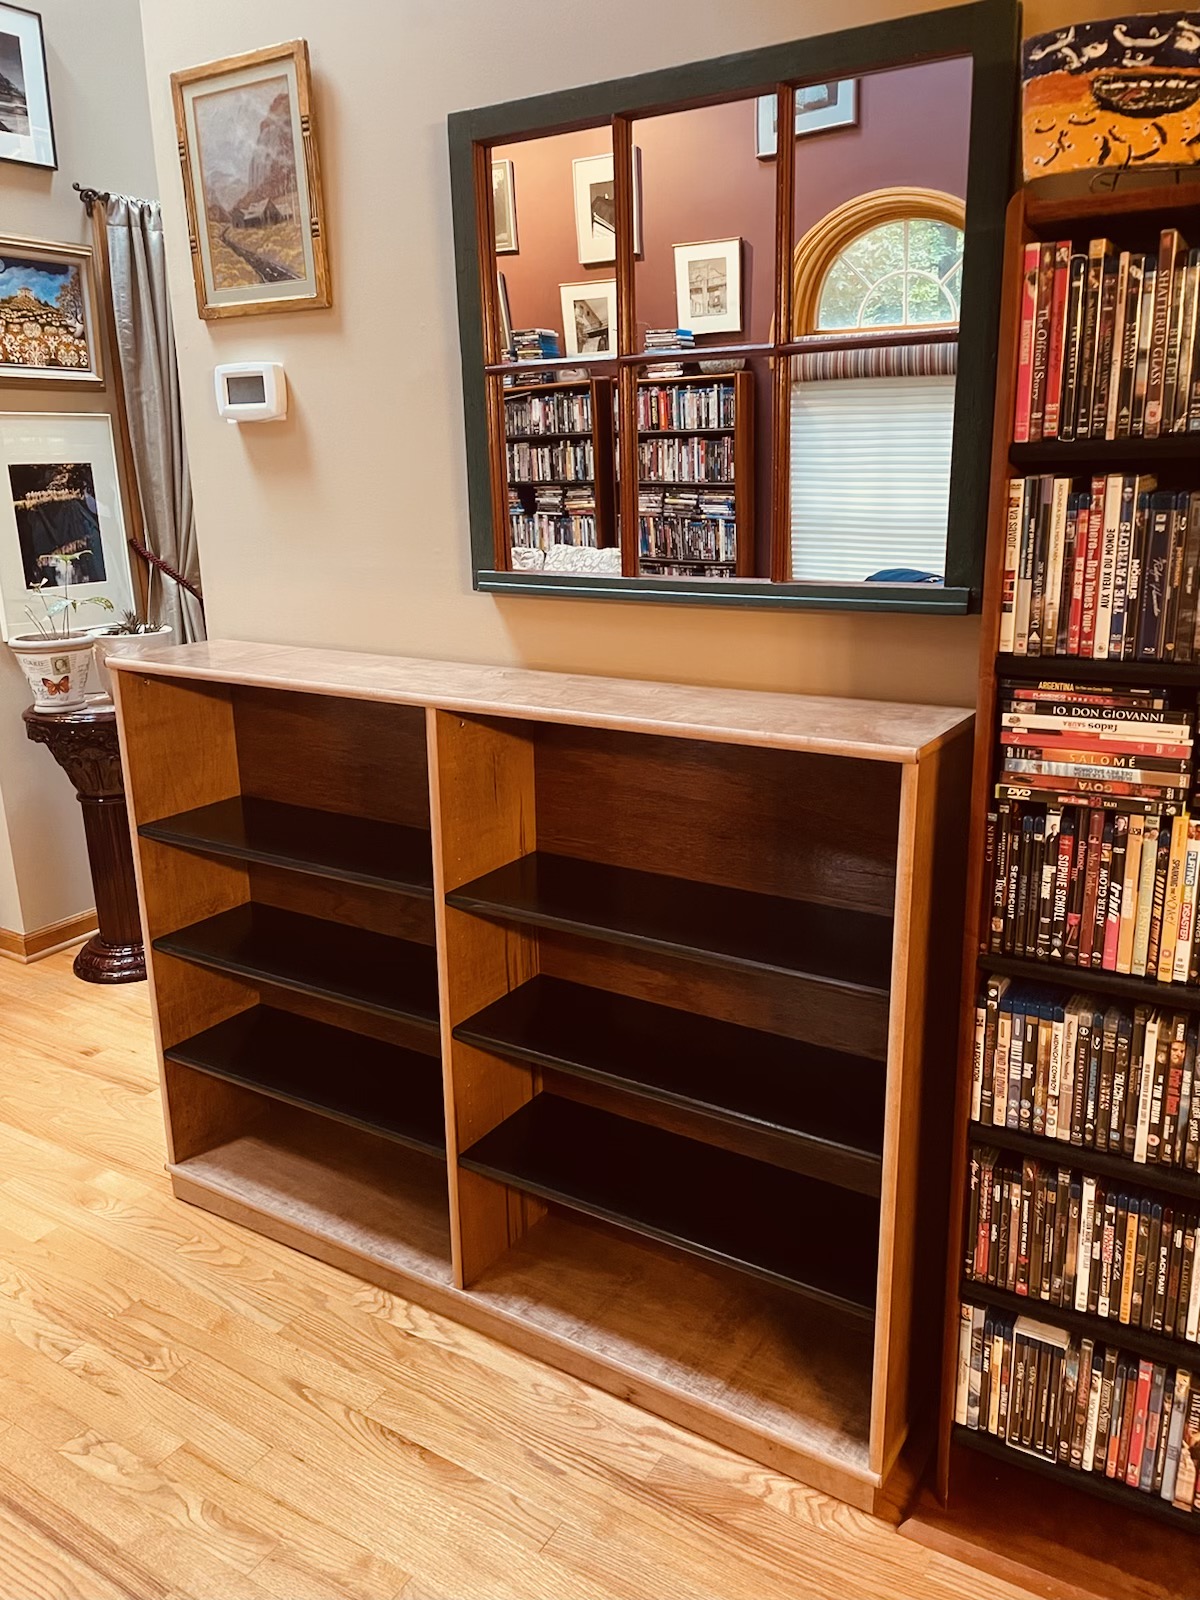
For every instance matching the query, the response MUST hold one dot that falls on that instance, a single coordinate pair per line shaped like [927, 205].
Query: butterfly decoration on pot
[55, 686]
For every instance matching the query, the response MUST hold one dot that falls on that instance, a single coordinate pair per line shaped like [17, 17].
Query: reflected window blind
[870, 476]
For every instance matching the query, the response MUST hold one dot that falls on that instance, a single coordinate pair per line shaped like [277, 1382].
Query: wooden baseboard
[41, 942]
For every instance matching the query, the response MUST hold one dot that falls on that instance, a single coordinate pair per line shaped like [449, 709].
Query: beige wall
[101, 125]
[346, 525]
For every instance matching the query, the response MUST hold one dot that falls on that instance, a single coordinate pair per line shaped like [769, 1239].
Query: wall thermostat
[251, 391]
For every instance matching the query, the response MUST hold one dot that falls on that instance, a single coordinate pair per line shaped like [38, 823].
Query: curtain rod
[90, 196]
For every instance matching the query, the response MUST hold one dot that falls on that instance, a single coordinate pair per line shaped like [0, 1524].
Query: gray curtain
[146, 343]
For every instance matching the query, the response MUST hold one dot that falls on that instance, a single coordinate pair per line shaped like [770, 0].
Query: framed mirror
[704, 364]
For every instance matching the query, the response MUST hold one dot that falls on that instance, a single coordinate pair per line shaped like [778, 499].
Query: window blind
[870, 476]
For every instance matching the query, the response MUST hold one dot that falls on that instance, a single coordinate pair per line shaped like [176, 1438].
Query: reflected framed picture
[61, 520]
[589, 313]
[504, 208]
[252, 183]
[48, 328]
[26, 126]
[708, 286]
[596, 207]
[504, 314]
[820, 107]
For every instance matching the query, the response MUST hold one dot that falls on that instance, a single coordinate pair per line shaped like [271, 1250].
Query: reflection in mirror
[704, 282]
[877, 279]
[556, 312]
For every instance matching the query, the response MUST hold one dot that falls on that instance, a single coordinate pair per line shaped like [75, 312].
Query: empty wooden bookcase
[607, 1017]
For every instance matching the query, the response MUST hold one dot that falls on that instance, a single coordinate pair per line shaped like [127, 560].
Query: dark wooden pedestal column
[84, 743]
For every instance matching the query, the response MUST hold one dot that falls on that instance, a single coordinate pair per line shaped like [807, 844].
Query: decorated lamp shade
[1120, 93]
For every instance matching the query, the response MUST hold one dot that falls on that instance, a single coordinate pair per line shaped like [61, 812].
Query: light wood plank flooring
[190, 1412]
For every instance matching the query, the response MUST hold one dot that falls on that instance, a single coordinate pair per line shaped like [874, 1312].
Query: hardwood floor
[190, 1412]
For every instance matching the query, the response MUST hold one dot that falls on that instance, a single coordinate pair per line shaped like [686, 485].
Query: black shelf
[550, 483]
[687, 483]
[550, 433]
[828, 1103]
[326, 844]
[700, 921]
[1079, 669]
[369, 971]
[1111, 454]
[388, 1091]
[1092, 1483]
[806, 1236]
[1148, 991]
[1170, 1180]
[684, 433]
[1102, 1330]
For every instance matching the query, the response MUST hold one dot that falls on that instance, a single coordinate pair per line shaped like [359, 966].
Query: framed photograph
[590, 317]
[596, 207]
[26, 126]
[504, 207]
[819, 108]
[708, 286]
[505, 315]
[60, 515]
[48, 328]
[252, 184]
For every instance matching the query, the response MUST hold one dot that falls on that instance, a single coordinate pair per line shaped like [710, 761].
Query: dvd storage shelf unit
[678, 463]
[1117, 1540]
[598, 1015]
[558, 437]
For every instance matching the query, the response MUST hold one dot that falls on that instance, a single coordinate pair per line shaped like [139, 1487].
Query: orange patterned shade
[1122, 93]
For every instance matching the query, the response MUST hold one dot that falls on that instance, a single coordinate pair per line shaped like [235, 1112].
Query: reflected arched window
[872, 417]
[905, 273]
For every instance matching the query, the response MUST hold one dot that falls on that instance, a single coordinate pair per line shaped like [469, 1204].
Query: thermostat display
[251, 391]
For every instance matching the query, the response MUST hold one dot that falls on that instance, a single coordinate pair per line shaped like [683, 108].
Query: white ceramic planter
[125, 644]
[57, 669]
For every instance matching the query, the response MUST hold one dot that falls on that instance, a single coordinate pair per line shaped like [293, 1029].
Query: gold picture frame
[252, 183]
[51, 334]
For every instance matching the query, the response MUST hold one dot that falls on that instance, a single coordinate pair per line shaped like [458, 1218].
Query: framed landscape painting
[504, 207]
[26, 127]
[60, 517]
[48, 328]
[252, 184]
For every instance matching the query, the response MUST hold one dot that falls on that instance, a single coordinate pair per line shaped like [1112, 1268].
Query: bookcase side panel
[178, 749]
[483, 816]
[920, 1074]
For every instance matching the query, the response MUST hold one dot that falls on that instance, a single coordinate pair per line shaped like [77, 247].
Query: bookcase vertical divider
[482, 817]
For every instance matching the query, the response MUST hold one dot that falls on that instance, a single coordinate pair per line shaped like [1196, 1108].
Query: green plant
[131, 623]
[67, 606]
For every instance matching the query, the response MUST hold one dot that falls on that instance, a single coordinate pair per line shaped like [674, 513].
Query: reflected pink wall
[702, 180]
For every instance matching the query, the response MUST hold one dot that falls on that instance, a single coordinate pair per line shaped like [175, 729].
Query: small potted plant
[129, 637]
[57, 657]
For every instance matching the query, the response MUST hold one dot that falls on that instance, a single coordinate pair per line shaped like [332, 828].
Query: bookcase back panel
[354, 756]
[180, 744]
[793, 1006]
[351, 1019]
[189, 998]
[355, 904]
[770, 821]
